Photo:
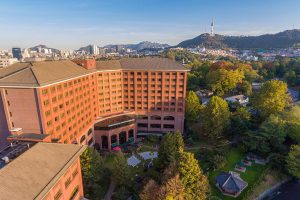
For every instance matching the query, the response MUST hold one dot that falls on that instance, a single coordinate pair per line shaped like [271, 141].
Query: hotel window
[74, 193]
[58, 195]
[67, 183]
[155, 125]
[46, 102]
[47, 113]
[45, 91]
[52, 89]
[168, 126]
[49, 123]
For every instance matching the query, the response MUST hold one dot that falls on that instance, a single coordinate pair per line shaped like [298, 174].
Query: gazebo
[230, 183]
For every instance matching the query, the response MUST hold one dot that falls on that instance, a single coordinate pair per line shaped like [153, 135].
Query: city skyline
[72, 24]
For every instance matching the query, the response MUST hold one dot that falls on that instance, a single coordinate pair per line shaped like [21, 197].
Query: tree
[192, 106]
[246, 88]
[269, 137]
[92, 167]
[222, 81]
[174, 189]
[290, 77]
[151, 191]
[240, 121]
[274, 131]
[192, 178]
[171, 144]
[120, 170]
[215, 117]
[272, 98]
[293, 161]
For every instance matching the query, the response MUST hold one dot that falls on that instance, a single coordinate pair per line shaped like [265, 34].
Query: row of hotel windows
[154, 80]
[153, 73]
[145, 125]
[69, 84]
[59, 193]
[154, 109]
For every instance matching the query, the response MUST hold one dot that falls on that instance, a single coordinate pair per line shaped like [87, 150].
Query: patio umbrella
[116, 148]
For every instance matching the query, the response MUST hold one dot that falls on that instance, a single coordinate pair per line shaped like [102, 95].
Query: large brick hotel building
[87, 102]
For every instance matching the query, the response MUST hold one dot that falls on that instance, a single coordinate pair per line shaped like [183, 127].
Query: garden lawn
[250, 176]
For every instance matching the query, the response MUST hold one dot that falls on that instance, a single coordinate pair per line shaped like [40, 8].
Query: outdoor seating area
[135, 159]
[257, 159]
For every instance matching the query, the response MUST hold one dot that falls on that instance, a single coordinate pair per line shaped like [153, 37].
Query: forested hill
[285, 39]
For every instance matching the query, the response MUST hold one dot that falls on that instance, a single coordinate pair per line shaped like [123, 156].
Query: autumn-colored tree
[222, 65]
[216, 117]
[151, 191]
[272, 98]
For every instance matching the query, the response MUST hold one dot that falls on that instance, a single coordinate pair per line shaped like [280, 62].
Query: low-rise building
[45, 171]
[5, 62]
[241, 99]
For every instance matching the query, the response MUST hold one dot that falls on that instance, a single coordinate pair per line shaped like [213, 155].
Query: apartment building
[5, 62]
[84, 101]
[23, 176]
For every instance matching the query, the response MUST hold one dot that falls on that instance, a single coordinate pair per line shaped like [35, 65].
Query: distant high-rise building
[212, 28]
[93, 49]
[16, 51]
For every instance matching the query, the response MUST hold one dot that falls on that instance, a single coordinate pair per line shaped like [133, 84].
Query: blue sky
[70, 24]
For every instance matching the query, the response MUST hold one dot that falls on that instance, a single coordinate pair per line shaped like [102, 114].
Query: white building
[241, 99]
[5, 62]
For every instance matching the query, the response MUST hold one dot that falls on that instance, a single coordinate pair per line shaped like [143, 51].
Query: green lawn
[250, 176]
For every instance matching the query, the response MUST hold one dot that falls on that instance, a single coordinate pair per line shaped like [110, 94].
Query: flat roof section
[36, 171]
[28, 137]
[115, 122]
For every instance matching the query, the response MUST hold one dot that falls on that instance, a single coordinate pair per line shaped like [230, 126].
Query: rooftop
[28, 137]
[146, 63]
[114, 122]
[27, 178]
[37, 74]
[230, 183]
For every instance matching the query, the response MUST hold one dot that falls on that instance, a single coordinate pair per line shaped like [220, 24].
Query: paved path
[110, 191]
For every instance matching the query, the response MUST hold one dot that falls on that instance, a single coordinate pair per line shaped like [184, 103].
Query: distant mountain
[283, 39]
[42, 46]
[141, 46]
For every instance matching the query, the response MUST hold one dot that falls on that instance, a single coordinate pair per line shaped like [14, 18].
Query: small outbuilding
[230, 183]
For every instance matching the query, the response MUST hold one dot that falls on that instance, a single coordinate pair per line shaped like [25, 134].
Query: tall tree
[171, 144]
[92, 167]
[151, 191]
[192, 106]
[274, 131]
[120, 171]
[194, 181]
[293, 161]
[272, 98]
[222, 81]
[246, 88]
[215, 117]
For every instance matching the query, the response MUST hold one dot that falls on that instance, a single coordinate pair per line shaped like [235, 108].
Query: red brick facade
[68, 109]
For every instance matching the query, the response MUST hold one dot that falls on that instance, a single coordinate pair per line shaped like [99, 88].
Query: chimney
[86, 63]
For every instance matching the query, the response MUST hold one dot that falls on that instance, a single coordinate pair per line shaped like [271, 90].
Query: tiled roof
[36, 74]
[146, 63]
[35, 172]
